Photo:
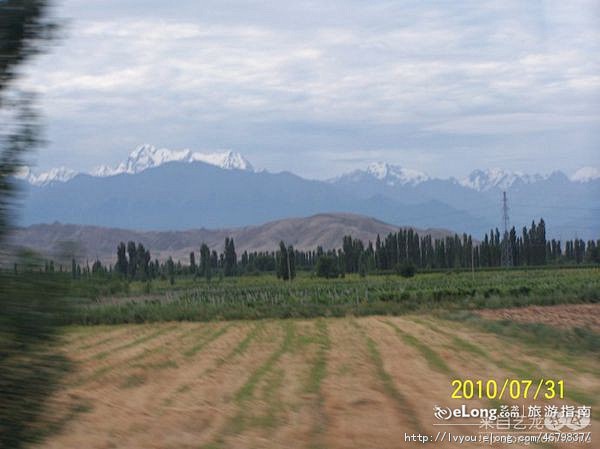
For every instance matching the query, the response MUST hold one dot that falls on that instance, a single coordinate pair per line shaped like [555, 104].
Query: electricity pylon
[506, 243]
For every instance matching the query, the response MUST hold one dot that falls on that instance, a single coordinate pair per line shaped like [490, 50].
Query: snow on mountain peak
[148, 156]
[378, 169]
[586, 174]
[143, 157]
[483, 180]
[228, 160]
[388, 173]
[61, 174]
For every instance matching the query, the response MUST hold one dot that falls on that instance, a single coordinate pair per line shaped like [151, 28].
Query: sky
[321, 88]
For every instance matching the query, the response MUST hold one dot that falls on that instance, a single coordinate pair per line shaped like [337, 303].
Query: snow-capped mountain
[391, 175]
[586, 174]
[236, 195]
[143, 157]
[479, 180]
[61, 174]
[147, 156]
[484, 180]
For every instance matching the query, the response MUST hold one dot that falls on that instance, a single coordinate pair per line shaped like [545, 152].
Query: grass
[538, 335]
[306, 297]
[154, 366]
[95, 344]
[136, 342]
[135, 360]
[242, 346]
[274, 406]
[433, 358]
[524, 370]
[247, 390]
[469, 347]
[316, 375]
[205, 341]
[238, 423]
[282, 395]
[239, 349]
[319, 368]
[133, 381]
[453, 296]
[386, 380]
[533, 335]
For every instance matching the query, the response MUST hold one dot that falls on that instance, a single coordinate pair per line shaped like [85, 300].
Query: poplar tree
[230, 258]
[192, 263]
[205, 262]
[121, 266]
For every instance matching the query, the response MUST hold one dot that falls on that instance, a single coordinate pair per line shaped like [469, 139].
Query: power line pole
[506, 244]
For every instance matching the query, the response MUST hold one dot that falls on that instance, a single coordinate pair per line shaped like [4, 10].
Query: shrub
[406, 270]
[327, 267]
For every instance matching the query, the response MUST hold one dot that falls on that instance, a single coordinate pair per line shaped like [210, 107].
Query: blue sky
[320, 88]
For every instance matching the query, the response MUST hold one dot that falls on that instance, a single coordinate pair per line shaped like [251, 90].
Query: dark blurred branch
[30, 301]
[18, 142]
[25, 30]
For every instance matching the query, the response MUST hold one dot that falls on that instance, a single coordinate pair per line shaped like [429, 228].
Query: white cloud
[512, 123]
[447, 68]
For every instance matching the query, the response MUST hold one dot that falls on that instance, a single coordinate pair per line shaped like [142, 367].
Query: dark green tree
[97, 267]
[407, 269]
[291, 263]
[192, 263]
[286, 262]
[205, 262]
[122, 265]
[171, 270]
[327, 267]
[230, 258]
[132, 265]
[142, 261]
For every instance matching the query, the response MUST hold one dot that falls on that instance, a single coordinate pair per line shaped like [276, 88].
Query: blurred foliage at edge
[31, 365]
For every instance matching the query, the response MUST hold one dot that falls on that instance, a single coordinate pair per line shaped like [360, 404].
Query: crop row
[372, 295]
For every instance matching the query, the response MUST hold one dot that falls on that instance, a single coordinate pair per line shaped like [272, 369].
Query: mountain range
[161, 189]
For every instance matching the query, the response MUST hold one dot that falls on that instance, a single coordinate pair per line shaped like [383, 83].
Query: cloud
[513, 123]
[470, 69]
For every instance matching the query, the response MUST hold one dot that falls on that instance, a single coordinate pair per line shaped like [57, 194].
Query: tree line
[403, 252]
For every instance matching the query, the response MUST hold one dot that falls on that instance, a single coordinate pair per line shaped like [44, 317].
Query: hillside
[93, 242]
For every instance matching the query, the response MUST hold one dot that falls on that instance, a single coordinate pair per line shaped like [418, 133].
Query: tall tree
[230, 258]
[171, 270]
[192, 263]
[121, 266]
[144, 258]
[132, 265]
[205, 263]
[282, 262]
[286, 262]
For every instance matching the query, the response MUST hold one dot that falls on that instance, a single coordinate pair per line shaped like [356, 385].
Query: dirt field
[563, 316]
[325, 383]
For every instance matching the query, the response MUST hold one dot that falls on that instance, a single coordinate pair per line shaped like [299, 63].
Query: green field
[307, 296]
